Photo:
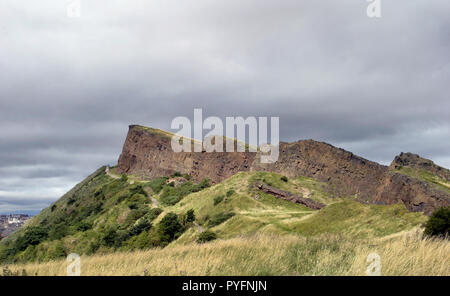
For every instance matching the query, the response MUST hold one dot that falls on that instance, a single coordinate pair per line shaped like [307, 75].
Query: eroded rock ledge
[286, 195]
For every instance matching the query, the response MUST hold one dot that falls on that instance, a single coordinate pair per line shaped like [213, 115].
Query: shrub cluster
[219, 218]
[157, 184]
[218, 199]
[230, 192]
[439, 223]
[206, 236]
[172, 195]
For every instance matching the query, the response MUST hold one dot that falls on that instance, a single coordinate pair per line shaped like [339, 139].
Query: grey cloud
[69, 88]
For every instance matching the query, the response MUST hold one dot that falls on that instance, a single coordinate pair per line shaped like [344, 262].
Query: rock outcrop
[312, 204]
[147, 152]
[415, 161]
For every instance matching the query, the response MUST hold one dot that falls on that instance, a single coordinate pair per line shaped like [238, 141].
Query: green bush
[124, 178]
[133, 206]
[136, 214]
[138, 189]
[120, 238]
[83, 226]
[172, 195]
[109, 237]
[94, 207]
[206, 236]
[57, 251]
[141, 226]
[93, 247]
[32, 236]
[189, 217]
[70, 201]
[267, 182]
[157, 184]
[58, 231]
[142, 241]
[152, 214]
[205, 183]
[170, 228]
[439, 223]
[170, 200]
[114, 187]
[219, 218]
[218, 199]
[138, 198]
[29, 254]
[230, 192]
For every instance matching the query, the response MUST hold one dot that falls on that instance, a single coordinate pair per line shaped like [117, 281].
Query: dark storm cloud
[69, 88]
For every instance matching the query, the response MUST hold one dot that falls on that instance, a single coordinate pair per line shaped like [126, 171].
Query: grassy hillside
[359, 220]
[404, 254]
[109, 213]
[255, 211]
[101, 214]
[423, 175]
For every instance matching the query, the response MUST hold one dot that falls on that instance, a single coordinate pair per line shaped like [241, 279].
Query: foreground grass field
[401, 254]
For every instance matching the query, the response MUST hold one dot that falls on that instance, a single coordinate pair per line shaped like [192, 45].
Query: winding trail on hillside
[198, 227]
[111, 174]
[154, 201]
[114, 176]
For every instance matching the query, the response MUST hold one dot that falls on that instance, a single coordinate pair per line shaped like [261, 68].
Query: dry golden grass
[408, 254]
[264, 254]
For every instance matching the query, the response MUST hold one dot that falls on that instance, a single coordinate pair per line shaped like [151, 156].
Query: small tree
[169, 227]
[218, 199]
[190, 216]
[439, 223]
[109, 237]
[206, 236]
[230, 192]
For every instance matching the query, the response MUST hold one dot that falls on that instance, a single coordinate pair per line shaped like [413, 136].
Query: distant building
[13, 220]
[10, 223]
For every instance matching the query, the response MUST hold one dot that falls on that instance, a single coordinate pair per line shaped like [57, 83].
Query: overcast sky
[69, 87]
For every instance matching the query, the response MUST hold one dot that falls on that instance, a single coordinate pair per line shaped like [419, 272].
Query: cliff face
[417, 182]
[346, 173]
[417, 195]
[147, 152]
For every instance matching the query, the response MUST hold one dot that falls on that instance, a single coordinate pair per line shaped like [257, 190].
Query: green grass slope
[259, 212]
[82, 219]
[426, 176]
[107, 213]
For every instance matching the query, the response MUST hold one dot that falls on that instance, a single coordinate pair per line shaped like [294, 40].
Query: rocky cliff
[417, 195]
[346, 173]
[415, 161]
[147, 152]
